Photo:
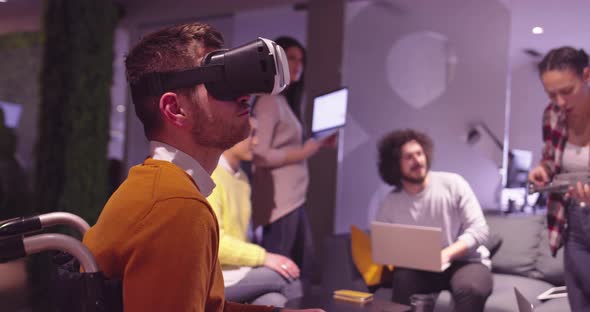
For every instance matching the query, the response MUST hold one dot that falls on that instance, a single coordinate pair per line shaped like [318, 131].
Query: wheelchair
[72, 289]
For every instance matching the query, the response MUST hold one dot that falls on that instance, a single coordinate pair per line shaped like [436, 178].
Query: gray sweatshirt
[448, 203]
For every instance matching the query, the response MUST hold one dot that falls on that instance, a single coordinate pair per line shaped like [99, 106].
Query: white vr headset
[258, 67]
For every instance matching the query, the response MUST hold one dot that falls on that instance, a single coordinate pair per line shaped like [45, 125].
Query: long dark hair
[294, 92]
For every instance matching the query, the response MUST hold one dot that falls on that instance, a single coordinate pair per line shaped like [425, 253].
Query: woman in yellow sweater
[250, 273]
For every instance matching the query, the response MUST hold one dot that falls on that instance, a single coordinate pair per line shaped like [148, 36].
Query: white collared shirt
[165, 152]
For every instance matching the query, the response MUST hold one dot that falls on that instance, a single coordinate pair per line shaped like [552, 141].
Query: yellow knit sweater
[159, 234]
[231, 202]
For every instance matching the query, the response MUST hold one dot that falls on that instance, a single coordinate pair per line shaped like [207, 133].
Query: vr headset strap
[156, 84]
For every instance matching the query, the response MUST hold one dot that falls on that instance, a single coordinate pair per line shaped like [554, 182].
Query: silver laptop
[407, 246]
[523, 304]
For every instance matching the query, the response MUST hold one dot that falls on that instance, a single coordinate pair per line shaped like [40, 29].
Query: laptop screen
[329, 110]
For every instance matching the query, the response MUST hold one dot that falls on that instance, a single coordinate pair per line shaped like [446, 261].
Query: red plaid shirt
[554, 139]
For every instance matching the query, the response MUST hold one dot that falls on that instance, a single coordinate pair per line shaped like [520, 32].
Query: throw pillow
[520, 243]
[549, 268]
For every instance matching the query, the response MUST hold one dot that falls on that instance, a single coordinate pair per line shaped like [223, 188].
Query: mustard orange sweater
[160, 236]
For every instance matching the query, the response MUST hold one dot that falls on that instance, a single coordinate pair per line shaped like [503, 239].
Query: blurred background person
[280, 176]
[14, 188]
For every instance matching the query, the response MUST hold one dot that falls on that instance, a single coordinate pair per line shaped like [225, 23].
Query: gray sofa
[522, 260]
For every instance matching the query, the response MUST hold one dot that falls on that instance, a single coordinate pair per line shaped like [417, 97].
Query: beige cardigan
[276, 190]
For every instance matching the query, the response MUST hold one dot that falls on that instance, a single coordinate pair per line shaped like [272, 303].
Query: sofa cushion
[520, 243]
[547, 267]
[502, 298]
[493, 244]
[503, 294]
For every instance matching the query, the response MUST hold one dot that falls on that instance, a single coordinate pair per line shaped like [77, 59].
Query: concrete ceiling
[25, 15]
[15, 8]
[554, 15]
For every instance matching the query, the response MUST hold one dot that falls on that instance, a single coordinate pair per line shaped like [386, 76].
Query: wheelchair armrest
[26, 225]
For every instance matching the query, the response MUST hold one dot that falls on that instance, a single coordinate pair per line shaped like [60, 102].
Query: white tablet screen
[329, 110]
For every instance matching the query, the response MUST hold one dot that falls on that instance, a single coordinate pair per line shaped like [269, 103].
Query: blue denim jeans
[577, 258]
[291, 237]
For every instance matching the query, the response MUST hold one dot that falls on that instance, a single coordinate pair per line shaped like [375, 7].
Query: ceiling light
[537, 30]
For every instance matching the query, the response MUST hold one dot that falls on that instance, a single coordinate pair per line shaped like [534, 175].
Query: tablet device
[329, 113]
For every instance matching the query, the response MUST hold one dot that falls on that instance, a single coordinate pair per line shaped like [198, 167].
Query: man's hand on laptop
[445, 256]
[282, 265]
[454, 251]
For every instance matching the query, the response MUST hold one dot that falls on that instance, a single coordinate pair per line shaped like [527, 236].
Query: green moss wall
[76, 78]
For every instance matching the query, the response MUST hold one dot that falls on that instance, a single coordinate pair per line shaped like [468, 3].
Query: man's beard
[413, 180]
[207, 135]
[218, 133]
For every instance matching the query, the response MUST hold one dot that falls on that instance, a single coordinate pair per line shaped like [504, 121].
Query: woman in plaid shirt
[566, 134]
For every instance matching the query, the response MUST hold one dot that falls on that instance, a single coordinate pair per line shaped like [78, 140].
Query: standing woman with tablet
[280, 176]
[566, 134]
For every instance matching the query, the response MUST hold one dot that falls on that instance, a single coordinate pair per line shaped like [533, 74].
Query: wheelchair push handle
[17, 247]
[13, 244]
[25, 225]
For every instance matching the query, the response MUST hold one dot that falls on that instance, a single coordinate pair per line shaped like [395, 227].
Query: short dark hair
[390, 150]
[173, 48]
[563, 58]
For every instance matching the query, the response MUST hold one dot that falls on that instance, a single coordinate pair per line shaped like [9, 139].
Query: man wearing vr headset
[157, 232]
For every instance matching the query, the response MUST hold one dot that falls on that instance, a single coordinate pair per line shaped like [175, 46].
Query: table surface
[329, 304]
